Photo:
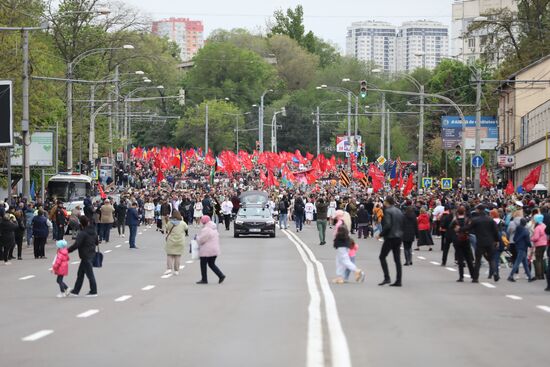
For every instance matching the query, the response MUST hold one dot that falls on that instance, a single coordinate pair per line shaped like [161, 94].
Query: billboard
[451, 132]
[40, 150]
[6, 114]
[342, 145]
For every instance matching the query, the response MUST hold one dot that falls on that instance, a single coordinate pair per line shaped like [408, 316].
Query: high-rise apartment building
[372, 41]
[469, 48]
[421, 44]
[186, 33]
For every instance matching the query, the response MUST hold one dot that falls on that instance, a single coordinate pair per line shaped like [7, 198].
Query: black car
[254, 217]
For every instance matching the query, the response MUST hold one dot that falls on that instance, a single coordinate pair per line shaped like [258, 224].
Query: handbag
[194, 250]
[97, 261]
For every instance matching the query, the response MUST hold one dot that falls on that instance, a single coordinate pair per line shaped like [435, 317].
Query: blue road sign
[446, 183]
[477, 161]
[427, 182]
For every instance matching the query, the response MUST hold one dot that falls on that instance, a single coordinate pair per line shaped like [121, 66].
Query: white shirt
[310, 208]
[227, 207]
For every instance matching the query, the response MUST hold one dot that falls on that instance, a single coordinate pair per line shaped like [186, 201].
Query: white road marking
[148, 288]
[75, 262]
[86, 314]
[488, 285]
[27, 277]
[435, 263]
[182, 266]
[467, 276]
[123, 298]
[421, 257]
[106, 252]
[50, 269]
[140, 232]
[450, 269]
[166, 276]
[340, 355]
[118, 246]
[126, 241]
[38, 335]
[315, 353]
[544, 308]
[515, 298]
[189, 262]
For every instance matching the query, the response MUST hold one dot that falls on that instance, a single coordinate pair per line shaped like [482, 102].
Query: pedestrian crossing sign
[427, 182]
[381, 160]
[447, 183]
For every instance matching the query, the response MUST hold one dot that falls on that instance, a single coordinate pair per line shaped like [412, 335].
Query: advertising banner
[451, 132]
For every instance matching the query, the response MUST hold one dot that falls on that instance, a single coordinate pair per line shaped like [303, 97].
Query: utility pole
[356, 124]
[318, 123]
[261, 124]
[389, 133]
[117, 93]
[349, 130]
[206, 130]
[383, 125]
[421, 139]
[478, 130]
[111, 128]
[237, 131]
[69, 162]
[91, 138]
[25, 119]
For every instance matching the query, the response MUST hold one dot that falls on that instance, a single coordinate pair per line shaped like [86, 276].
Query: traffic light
[458, 154]
[257, 145]
[363, 90]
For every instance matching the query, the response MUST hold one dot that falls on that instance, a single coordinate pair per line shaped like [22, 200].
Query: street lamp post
[261, 120]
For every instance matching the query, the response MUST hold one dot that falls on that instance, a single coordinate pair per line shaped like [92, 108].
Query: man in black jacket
[85, 243]
[486, 232]
[392, 232]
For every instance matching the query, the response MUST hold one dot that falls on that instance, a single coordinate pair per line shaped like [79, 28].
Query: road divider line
[315, 351]
[106, 252]
[182, 267]
[435, 263]
[488, 285]
[27, 277]
[339, 348]
[189, 262]
[544, 308]
[140, 232]
[148, 288]
[467, 276]
[166, 276]
[450, 269]
[515, 298]
[75, 262]
[421, 257]
[126, 241]
[118, 246]
[38, 335]
[86, 314]
[123, 298]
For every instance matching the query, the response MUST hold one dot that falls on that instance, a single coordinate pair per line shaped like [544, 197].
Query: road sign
[119, 156]
[6, 114]
[342, 144]
[427, 182]
[381, 160]
[447, 183]
[477, 161]
[506, 160]
[364, 161]
[41, 149]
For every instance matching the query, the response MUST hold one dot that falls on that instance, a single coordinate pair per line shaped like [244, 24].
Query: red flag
[263, 178]
[309, 156]
[509, 188]
[209, 160]
[101, 192]
[160, 176]
[484, 178]
[409, 186]
[532, 179]
[401, 178]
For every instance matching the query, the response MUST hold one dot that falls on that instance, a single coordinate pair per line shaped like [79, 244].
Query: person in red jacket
[424, 234]
[61, 267]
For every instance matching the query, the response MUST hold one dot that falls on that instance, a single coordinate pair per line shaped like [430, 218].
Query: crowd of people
[504, 231]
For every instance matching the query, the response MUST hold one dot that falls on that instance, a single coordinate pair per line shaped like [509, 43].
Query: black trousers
[60, 232]
[227, 220]
[5, 251]
[85, 268]
[211, 262]
[393, 245]
[19, 243]
[407, 249]
[463, 252]
[39, 245]
[548, 268]
[445, 247]
[120, 226]
[62, 286]
[488, 252]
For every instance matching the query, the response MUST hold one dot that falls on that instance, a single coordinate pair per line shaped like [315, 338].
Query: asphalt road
[276, 308]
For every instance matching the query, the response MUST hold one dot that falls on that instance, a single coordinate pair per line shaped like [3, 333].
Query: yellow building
[524, 120]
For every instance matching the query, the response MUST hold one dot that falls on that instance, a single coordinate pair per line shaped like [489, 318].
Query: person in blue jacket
[132, 220]
[522, 242]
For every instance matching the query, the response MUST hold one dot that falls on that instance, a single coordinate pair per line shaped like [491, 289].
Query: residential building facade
[374, 42]
[524, 121]
[469, 48]
[421, 44]
[186, 33]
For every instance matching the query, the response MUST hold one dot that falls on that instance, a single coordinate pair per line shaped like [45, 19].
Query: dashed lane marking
[38, 335]
[421, 257]
[166, 276]
[189, 262]
[27, 277]
[148, 288]
[86, 314]
[123, 298]
[435, 263]
[126, 241]
[140, 232]
[544, 308]
[108, 251]
[467, 276]
[118, 246]
[182, 266]
[75, 262]
[450, 269]
[488, 285]
[515, 298]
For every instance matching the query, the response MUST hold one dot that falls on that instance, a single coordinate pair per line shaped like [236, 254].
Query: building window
[471, 42]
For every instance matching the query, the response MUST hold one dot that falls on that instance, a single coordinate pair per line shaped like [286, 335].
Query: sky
[327, 19]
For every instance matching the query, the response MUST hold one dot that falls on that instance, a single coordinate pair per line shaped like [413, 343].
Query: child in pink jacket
[352, 253]
[61, 267]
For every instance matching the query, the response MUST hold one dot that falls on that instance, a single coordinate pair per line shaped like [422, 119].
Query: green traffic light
[363, 94]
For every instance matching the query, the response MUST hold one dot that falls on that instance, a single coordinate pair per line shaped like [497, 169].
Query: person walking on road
[8, 226]
[424, 231]
[175, 242]
[227, 210]
[522, 243]
[40, 231]
[299, 208]
[343, 243]
[85, 243]
[392, 232]
[60, 267]
[410, 232]
[209, 249]
[283, 212]
[486, 232]
[132, 220]
[120, 212]
[539, 239]
[460, 238]
[322, 215]
[106, 220]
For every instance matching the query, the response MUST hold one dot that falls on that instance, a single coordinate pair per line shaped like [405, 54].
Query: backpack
[462, 234]
[282, 205]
